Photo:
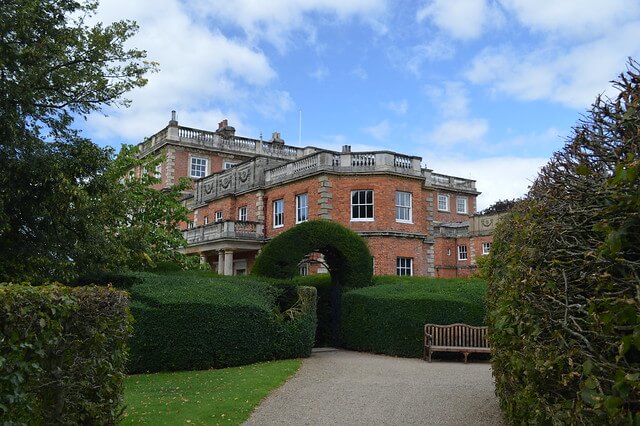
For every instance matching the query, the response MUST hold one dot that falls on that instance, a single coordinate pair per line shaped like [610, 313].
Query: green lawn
[211, 397]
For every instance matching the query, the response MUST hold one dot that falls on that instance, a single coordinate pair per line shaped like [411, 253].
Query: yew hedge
[188, 322]
[389, 317]
[346, 253]
[564, 270]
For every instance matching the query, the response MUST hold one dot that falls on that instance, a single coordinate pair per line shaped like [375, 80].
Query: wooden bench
[455, 338]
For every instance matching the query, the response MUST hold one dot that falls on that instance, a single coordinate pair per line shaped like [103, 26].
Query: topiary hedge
[345, 252]
[187, 322]
[564, 268]
[62, 354]
[324, 311]
[389, 317]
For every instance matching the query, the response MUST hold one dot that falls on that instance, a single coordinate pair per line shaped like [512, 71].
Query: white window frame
[404, 266]
[360, 205]
[206, 220]
[486, 247]
[242, 214]
[443, 199]
[303, 269]
[218, 216]
[404, 209]
[465, 202]
[158, 171]
[462, 252]
[278, 213]
[302, 208]
[228, 164]
[193, 163]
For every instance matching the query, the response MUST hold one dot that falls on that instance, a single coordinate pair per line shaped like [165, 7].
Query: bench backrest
[457, 335]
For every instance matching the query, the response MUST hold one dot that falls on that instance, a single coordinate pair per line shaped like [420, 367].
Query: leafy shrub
[389, 317]
[345, 252]
[62, 356]
[187, 322]
[564, 267]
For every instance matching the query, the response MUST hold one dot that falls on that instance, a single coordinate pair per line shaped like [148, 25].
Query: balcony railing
[365, 162]
[452, 182]
[227, 230]
[207, 139]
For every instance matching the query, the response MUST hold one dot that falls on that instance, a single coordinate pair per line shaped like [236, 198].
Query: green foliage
[68, 206]
[564, 267]
[389, 317]
[186, 321]
[345, 252]
[500, 206]
[323, 284]
[63, 354]
[223, 396]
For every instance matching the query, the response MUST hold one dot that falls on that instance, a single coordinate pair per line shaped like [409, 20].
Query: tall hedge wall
[389, 317]
[345, 251]
[564, 297]
[62, 354]
[324, 311]
[186, 322]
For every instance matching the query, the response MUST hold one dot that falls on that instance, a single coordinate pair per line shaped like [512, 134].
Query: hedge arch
[346, 253]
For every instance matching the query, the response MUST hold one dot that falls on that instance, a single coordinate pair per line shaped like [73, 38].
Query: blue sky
[482, 89]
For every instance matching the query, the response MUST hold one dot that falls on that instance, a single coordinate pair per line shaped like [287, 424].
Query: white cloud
[379, 131]
[450, 98]
[433, 50]
[319, 73]
[360, 72]
[578, 18]
[459, 131]
[199, 67]
[498, 178]
[571, 76]
[460, 19]
[276, 20]
[399, 107]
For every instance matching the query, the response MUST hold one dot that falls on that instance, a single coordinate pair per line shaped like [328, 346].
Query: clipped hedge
[62, 354]
[345, 252]
[564, 269]
[323, 285]
[188, 322]
[389, 317]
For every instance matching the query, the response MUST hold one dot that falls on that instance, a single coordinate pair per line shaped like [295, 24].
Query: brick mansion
[246, 191]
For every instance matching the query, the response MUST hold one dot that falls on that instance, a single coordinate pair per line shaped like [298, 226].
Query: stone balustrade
[450, 182]
[361, 162]
[211, 140]
[228, 229]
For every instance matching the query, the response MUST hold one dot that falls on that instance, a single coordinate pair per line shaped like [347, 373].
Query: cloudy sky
[482, 89]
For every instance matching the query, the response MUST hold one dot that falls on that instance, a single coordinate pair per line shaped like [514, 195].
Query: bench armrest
[428, 338]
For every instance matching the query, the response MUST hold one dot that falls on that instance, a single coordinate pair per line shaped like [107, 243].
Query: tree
[64, 207]
[500, 206]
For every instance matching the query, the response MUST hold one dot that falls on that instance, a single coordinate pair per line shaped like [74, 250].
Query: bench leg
[429, 354]
[466, 355]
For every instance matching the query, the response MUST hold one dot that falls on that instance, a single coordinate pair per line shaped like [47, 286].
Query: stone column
[228, 262]
[203, 259]
[221, 262]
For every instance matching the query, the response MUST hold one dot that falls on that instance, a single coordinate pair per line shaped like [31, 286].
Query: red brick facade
[413, 220]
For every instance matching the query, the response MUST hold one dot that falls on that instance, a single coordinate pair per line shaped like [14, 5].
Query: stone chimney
[276, 140]
[225, 130]
[174, 119]
[346, 149]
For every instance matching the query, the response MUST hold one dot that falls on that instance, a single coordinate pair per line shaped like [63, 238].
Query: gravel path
[338, 387]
